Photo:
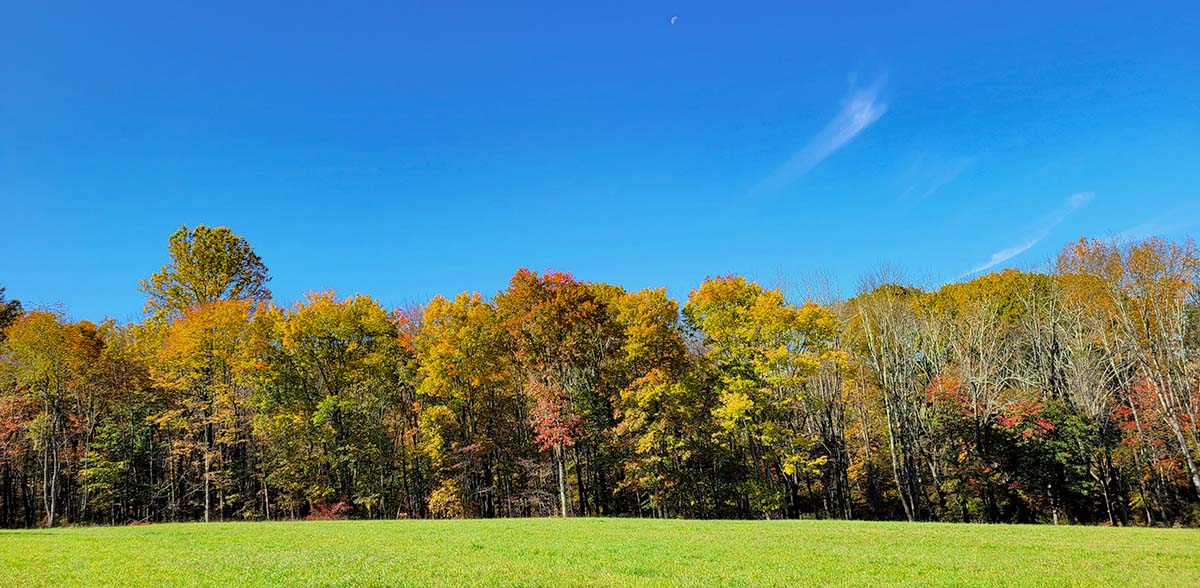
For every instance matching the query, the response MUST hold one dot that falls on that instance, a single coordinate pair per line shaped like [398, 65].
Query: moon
[674, 19]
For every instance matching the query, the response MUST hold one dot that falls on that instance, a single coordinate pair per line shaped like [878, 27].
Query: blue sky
[407, 149]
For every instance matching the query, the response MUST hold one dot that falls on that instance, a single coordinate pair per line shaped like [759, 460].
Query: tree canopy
[207, 264]
[1066, 396]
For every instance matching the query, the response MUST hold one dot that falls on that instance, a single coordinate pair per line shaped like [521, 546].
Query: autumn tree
[1150, 291]
[662, 418]
[474, 426]
[120, 467]
[764, 350]
[52, 361]
[323, 374]
[562, 333]
[207, 264]
[898, 341]
[199, 363]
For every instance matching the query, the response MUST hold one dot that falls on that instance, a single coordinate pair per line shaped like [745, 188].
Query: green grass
[598, 552]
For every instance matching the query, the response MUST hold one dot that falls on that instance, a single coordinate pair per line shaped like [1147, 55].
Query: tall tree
[45, 351]
[897, 340]
[765, 350]
[561, 331]
[207, 264]
[1152, 289]
[199, 364]
[326, 368]
[475, 425]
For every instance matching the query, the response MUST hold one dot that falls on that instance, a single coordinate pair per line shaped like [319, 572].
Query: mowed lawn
[598, 552]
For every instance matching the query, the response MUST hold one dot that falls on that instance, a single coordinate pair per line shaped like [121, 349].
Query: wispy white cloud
[1074, 202]
[928, 174]
[1008, 253]
[1165, 224]
[860, 109]
[1078, 200]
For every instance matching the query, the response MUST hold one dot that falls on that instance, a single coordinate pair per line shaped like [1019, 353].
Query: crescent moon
[673, 19]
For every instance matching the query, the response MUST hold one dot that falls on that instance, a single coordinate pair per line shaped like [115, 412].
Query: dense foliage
[1066, 396]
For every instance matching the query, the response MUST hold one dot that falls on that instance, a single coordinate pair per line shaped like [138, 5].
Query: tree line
[1068, 396]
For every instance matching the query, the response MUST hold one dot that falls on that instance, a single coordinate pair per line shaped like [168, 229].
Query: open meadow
[597, 552]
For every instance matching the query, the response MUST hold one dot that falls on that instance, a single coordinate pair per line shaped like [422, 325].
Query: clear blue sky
[407, 149]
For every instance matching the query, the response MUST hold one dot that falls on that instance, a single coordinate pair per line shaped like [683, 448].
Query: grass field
[598, 552]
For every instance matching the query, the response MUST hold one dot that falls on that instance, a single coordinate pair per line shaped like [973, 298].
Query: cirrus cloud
[1074, 202]
[860, 109]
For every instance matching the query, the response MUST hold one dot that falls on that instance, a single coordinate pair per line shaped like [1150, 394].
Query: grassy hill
[598, 552]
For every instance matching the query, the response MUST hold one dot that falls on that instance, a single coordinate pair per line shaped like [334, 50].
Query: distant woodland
[1070, 395]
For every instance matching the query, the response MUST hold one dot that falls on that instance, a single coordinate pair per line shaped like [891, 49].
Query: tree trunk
[562, 479]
